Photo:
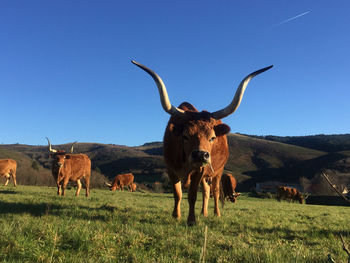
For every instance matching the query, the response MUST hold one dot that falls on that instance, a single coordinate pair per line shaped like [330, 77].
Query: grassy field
[38, 226]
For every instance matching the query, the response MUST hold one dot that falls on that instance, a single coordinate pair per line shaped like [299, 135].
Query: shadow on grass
[8, 192]
[289, 234]
[104, 213]
[33, 209]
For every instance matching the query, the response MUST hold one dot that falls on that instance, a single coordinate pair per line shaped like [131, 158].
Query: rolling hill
[252, 159]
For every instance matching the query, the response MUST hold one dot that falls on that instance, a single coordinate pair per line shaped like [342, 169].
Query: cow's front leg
[59, 191]
[206, 196]
[64, 185]
[192, 197]
[177, 200]
[78, 187]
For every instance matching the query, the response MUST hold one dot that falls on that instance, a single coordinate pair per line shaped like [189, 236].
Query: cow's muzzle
[200, 157]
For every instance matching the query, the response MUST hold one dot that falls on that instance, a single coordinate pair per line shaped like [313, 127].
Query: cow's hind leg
[13, 174]
[14, 179]
[7, 179]
[216, 190]
[177, 200]
[78, 187]
[87, 185]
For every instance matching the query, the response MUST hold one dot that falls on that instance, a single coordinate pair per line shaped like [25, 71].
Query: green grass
[38, 226]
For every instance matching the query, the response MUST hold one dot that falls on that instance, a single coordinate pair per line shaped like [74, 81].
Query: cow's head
[299, 197]
[113, 186]
[198, 130]
[59, 156]
[198, 135]
[233, 197]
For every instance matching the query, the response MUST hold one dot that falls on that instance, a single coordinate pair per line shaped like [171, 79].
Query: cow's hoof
[176, 215]
[191, 222]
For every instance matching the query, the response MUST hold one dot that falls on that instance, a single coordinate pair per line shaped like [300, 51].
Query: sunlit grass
[38, 226]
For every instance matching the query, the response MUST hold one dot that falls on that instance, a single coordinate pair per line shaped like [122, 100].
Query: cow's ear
[221, 129]
[176, 129]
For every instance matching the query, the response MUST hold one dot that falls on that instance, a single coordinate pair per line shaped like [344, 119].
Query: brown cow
[120, 181]
[8, 168]
[195, 146]
[229, 184]
[289, 194]
[70, 167]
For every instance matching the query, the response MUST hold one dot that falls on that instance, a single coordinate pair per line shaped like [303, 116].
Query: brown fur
[73, 168]
[290, 194]
[180, 138]
[8, 168]
[122, 180]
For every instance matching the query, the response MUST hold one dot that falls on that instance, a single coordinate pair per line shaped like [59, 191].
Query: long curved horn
[238, 96]
[164, 98]
[50, 149]
[71, 148]
[108, 184]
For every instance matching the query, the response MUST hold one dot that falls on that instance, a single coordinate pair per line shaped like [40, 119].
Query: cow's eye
[212, 139]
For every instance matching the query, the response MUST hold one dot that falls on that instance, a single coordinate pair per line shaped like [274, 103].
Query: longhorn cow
[195, 146]
[122, 180]
[70, 167]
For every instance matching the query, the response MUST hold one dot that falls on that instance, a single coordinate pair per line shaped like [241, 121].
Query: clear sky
[65, 69]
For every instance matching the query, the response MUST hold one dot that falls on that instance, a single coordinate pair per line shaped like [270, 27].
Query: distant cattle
[70, 167]
[122, 180]
[195, 146]
[229, 184]
[8, 169]
[289, 194]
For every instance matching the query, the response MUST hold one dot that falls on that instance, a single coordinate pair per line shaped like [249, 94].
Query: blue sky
[65, 68]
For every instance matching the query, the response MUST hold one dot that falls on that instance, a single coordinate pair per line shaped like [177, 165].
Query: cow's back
[80, 166]
[125, 179]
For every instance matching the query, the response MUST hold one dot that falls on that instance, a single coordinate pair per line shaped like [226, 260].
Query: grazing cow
[195, 146]
[133, 187]
[70, 167]
[122, 180]
[289, 194]
[8, 168]
[229, 184]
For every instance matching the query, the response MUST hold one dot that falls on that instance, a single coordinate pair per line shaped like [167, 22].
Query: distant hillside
[251, 155]
[327, 143]
[252, 159]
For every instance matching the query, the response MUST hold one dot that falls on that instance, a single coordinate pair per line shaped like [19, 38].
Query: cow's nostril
[200, 156]
[195, 155]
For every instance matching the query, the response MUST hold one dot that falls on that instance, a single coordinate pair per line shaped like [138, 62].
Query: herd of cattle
[195, 152]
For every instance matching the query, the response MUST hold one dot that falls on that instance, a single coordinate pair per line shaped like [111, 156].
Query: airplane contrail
[290, 19]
